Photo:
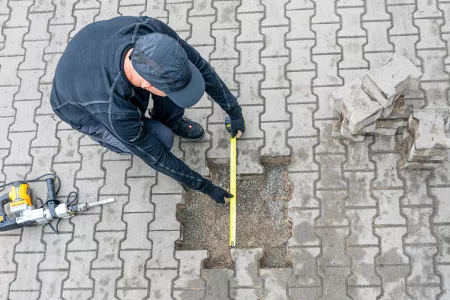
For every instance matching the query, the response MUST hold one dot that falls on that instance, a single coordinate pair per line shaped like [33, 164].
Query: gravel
[261, 219]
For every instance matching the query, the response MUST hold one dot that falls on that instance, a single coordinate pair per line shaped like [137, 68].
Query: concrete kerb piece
[425, 144]
[375, 104]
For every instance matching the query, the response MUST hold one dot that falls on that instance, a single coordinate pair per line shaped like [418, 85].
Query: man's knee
[163, 133]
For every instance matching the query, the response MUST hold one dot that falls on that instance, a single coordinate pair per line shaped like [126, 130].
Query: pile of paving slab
[375, 104]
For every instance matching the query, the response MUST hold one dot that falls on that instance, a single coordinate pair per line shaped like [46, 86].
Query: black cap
[162, 61]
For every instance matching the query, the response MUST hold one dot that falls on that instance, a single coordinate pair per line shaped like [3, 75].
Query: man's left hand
[237, 126]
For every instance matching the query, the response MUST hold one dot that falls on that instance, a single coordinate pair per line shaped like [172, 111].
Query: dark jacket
[90, 90]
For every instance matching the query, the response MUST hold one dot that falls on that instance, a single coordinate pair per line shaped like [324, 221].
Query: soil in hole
[261, 219]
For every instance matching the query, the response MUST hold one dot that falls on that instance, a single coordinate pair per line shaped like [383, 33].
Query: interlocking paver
[79, 274]
[216, 283]
[27, 265]
[161, 282]
[393, 279]
[189, 276]
[108, 249]
[34, 51]
[134, 269]
[51, 283]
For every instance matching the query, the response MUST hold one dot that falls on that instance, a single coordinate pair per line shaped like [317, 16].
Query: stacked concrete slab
[375, 104]
[425, 144]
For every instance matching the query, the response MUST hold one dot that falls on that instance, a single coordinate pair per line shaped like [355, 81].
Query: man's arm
[130, 129]
[214, 85]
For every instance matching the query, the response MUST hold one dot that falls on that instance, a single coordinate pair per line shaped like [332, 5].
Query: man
[106, 75]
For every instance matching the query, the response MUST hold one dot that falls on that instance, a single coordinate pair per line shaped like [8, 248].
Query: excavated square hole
[262, 221]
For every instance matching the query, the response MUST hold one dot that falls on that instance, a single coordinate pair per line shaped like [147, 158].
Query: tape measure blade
[233, 192]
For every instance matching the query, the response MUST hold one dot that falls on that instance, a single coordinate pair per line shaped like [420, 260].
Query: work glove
[237, 120]
[218, 194]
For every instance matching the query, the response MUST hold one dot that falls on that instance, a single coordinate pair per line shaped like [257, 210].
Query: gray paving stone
[84, 232]
[352, 50]
[108, 250]
[250, 294]
[79, 273]
[163, 249]
[88, 191]
[55, 251]
[302, 154]
[300, 21]
[303, 230]
[77, 294]
[393, 278]
[304, 264]
[202, 7]
[137, 230]
[225, 42]
[388, 207]
[275, 282]
[165, 208]
[308, 293]
[327, 143]
[41, 162]
[391, 246]
[275, 134]
[24, 112]
[275, 105]
[330, 166]
[364, 292]
[445, 271]
[334, 282]
[301, 92]
[84, 17]
[42, 6]
[13, 41]
[111, 215]
[188, 294]
[418, 220]
[126, 294]
[363, 266]
[422, 259]
[5, 279]
[248, 24]
[20, 146]
[190, 265]
[359, 189]
[134, 269]
[361, 226]
[195, 156]
[115, 174]
[327, 64]
[8, 75]
[161, 283]
[46, 131]
[303, 190]
[333, 247]
[201, 34]
[323, 95]
[351, 22]
[7, 108]
[105, 283]
[38, 28]
[6, 259]
[332, 208]
[28, 241]
[51, 283]
[274, 67]
[51, 60]
[248, 157]
[23, 295]
[216, 283]
[27, 264]
[246, 268]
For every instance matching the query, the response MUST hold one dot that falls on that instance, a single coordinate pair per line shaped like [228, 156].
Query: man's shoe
[188, 129]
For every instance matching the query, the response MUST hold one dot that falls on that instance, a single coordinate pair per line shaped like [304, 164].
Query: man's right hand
[220, 195]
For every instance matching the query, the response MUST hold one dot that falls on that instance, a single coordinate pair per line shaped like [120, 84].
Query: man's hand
[220, 195]
[237, 126]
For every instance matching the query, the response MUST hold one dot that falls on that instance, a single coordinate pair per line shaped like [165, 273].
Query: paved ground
[362, 229]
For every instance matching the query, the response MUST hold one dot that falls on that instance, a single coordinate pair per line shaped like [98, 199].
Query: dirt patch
[261, 219]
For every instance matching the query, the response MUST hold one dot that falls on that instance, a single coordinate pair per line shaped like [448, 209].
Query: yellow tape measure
[233, 192]
[233, 159]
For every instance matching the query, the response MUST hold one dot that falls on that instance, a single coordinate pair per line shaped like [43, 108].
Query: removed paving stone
[375, 104]
[425, 144]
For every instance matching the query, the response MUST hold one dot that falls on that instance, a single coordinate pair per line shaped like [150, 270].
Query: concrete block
[353, 102]
[430, 132]
[386, 84]
[347, 134]
[389, 127]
